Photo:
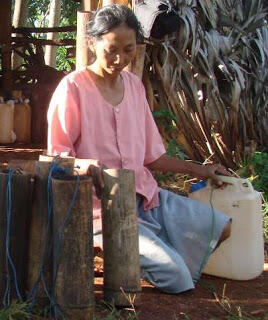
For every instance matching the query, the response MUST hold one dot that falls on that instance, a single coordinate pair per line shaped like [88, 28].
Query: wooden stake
[83, 55]
[120, 237]
[73, 247]
[21, 187]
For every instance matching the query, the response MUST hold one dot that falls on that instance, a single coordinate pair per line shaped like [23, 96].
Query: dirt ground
[213, 298]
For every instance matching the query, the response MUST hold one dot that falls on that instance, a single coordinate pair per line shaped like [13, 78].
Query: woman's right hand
[96, 172]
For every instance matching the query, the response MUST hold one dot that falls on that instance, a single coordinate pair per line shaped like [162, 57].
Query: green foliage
[16, 311]
[174, 150]
[114, 313]
[62, 62]
[256, 169]
[166, 118]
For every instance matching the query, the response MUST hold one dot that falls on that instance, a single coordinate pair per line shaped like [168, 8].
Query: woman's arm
[170, 164]
[63, 120]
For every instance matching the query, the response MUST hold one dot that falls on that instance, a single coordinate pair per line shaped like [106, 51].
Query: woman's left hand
[212, 171]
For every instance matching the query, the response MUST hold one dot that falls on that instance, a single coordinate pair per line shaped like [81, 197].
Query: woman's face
[115, 49]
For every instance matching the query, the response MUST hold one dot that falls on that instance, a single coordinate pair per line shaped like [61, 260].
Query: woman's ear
[91, 46]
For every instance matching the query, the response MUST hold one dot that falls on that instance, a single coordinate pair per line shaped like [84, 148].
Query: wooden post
[84, 56]
[41, 227]
[73, 246]
[21, 187]
[90, 5]
[120, 237]
[5, 40]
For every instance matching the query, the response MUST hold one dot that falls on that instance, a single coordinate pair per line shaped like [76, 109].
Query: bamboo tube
[21, 187]
[66, 162]
[120, 237]
[73, 252]
[25, 165]
[84, 56]
[40, 233]
[40, 227]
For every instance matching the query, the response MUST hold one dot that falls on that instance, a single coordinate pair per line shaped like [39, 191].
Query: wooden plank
[43, 30]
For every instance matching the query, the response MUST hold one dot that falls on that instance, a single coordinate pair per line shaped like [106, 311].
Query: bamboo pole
[120, 237]
[73, 246]
[83, 54]
[24, 165]
[66, 162]
[90, 5]
[21, 188]
[41, 228]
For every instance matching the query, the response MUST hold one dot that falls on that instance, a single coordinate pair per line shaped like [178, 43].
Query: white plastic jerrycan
[7, 134]
[240, 257]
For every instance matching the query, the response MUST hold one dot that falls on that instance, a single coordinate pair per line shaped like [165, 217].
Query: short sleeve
[154, 147]
[63, 116]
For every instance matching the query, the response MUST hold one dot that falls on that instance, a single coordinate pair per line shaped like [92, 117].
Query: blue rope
[9, 260]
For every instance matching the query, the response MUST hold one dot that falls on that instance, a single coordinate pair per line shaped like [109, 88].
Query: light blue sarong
[176, 240]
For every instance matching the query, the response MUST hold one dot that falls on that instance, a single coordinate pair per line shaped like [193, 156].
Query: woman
[101, 113]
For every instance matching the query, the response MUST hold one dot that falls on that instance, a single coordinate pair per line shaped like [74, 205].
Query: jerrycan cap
[199, 185]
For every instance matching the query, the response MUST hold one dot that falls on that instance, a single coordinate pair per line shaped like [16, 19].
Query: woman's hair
[109, 17]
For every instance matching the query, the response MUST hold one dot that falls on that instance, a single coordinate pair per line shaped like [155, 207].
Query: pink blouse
[81, 123]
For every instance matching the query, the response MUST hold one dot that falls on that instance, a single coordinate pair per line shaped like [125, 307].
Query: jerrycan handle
[243, 184]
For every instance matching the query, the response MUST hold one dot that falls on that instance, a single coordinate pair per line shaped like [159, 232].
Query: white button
[116, 109]
[125, 162]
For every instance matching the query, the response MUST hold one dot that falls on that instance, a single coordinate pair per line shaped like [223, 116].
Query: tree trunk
[19, 20]
[54, 20]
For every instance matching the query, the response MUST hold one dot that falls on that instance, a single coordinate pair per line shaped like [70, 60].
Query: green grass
[16, 311]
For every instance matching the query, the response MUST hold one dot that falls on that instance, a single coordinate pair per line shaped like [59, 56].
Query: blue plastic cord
[6, 300]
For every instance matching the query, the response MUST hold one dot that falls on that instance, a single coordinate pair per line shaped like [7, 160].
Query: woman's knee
[172, 277]
[226, 232]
